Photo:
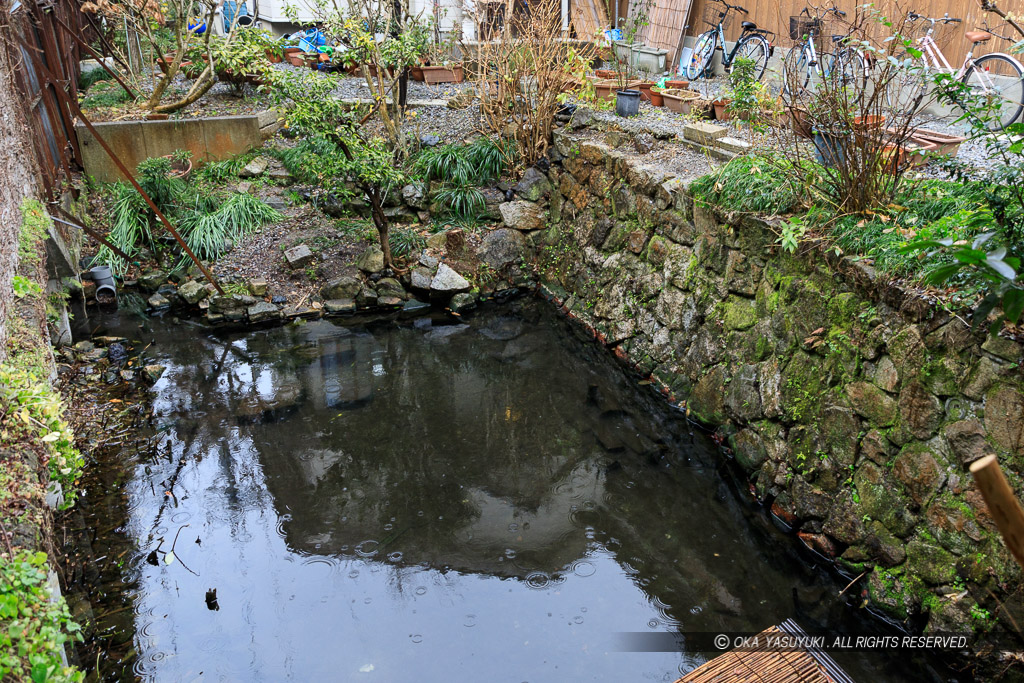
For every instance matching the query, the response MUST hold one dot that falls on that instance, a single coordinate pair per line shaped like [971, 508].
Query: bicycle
[752, 44]
[997, 77]
[803, 62]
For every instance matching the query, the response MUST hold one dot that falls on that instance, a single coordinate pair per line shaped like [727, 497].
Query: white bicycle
[995, 78]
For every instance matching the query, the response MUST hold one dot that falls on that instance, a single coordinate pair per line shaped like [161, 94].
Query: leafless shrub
[526, 71]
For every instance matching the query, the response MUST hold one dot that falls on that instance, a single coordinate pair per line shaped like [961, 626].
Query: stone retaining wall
[854, 406]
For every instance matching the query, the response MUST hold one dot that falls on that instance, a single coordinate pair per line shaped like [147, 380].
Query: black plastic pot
[627, 102]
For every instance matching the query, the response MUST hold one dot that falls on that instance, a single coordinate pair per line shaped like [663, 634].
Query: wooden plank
[1002, 504]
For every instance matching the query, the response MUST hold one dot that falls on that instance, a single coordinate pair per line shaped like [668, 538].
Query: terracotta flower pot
[180, 169]
[799, 122]
[166, 62]
[656, 99]
[721, 109]
[604, 73]
[295, 58]
[433, 75]
[677, 85]
[870, 122]
[272, 58]
[416, 73]
[679, 100]
[645, 91]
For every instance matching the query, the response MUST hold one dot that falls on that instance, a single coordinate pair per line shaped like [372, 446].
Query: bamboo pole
[1002, 504]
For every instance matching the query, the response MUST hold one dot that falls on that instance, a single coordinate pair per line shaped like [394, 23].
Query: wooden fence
[46, 60]
[667, 17]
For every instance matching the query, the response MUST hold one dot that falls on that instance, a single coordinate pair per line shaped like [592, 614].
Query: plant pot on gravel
[677, 85]
[944, 144]
[645, 90]
[799, 122]
[627, 103]
[433, 75]
[679, 101]
[656, 99]
[830, 148]
[722, 109]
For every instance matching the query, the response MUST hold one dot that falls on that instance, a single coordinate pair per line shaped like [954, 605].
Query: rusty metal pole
[85, 46]
[120, 165]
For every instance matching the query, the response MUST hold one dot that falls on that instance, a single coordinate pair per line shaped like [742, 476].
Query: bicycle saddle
[977, 36]
[749, 25]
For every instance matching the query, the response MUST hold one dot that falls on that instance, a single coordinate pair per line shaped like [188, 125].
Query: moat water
[431, 500]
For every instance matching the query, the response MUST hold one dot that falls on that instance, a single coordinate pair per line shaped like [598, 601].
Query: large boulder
[447, 281]
[502, 247]
[522, 215]
[345, 287]
[371, 260]
[533, 185]
[192, 292]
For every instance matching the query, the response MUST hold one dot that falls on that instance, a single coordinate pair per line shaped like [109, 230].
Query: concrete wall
[209, 139]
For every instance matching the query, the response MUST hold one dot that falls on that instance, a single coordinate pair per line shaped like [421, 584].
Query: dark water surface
[435, 501]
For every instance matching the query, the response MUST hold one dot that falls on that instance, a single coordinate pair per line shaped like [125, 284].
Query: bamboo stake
[1002, 504]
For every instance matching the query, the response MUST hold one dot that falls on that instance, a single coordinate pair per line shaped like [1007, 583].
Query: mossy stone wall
[854, 405]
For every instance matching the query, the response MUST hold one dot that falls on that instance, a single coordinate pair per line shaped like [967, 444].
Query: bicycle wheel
[755, 48]
[703, 49]
[796, 71]
[850, 66]
[997, 84]
[904, 85]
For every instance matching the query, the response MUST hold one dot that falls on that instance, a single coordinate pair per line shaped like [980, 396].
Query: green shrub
[750, 185]
[34, 628]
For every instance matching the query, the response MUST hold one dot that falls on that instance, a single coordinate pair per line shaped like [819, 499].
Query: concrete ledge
[209, 139]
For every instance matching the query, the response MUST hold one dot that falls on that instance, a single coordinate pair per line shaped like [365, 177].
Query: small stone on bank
[298, 257]
[340, 306]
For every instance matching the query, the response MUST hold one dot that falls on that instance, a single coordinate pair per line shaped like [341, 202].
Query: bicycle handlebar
[735, 7]
[914, 16]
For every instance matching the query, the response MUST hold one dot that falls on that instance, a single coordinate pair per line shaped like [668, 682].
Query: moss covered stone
[921, 471]
[929, 561]
[881, 499]
[707, 400]
[872, 403]
[739, 313]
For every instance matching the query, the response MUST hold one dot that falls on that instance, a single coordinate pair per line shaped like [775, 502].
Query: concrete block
[734, 145]
[704, 133]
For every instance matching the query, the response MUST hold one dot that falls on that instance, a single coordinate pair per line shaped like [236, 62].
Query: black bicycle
[752, 44]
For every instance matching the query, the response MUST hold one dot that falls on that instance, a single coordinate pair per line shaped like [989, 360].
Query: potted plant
[181, 163]
[243, 59]
[677, 84]
[627, 97]
[443, 68]
[679, 101]
[656, 99]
